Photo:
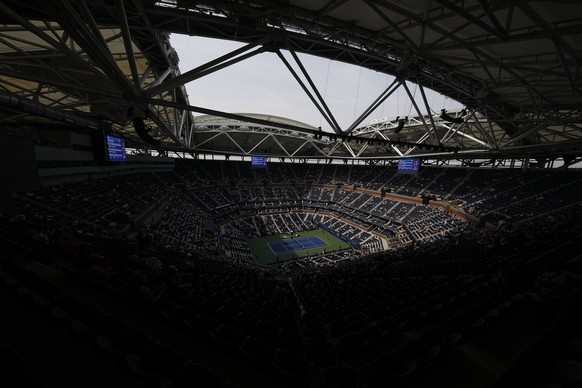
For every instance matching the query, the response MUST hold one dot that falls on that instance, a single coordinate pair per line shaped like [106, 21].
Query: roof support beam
[485, 5]
[377, 102]
[314, 88]
[420, 115]
[208, 68]
[392, 24]
[473, 19]
[428, 112]
[127, 42]
[321, 110]
[234, 116]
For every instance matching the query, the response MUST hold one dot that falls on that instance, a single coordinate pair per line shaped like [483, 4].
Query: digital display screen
[408, 165]
[116, 149]
[258, 161]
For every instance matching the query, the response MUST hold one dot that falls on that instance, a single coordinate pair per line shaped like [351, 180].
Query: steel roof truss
[234, 142]
[208, 68]
[127, 42]
[429, 130]
[260, 142]
[281, 146]
[319, 107]
[315, 90]
[375, 104]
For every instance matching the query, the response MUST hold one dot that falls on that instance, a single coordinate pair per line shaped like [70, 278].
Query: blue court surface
[296, 244]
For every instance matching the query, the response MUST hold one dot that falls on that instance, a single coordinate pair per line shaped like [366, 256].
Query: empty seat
[464, 325]
[291, 367]
[257, 352]
[61, 306]
[416, 350]
[193, 375]
[228, 336]
[46, 295]
[12, 364]
[539, 366]
[27, 380]
[290, 340]
[351, 346]
[157, 363]
[107, 326]
[435, 335]
[391, 368]
[179, 315]
[267, 330]
[201, 326]
[342, 376]
[320, 352]
[85, 313]
[129, 341]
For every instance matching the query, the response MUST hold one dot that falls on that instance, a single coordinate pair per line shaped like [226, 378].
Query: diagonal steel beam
[420, 115]
[235, 143]
[82, 31]
[314, 88]
[375, 104]
[207, 68]
[379, 12]
[259, 142]
[234, 116]
[127, 42]
[428, 111]
[523, 135]
[473, 19]
[306, 90]
[485, 6]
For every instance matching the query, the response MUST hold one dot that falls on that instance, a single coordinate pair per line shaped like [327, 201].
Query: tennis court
[296, 244]
[272, 249]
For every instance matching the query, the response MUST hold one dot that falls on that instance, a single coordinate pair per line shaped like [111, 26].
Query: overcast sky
[262, 84]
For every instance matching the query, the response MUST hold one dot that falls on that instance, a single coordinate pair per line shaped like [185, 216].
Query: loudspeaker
[143, 132]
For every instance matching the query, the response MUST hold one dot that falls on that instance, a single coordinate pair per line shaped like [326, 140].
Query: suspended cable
[413, 99]
[357, 94]
[325, 88]
[398, 101]
[385, 87]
